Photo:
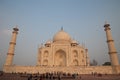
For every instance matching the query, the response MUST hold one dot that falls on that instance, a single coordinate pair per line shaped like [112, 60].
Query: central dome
[61, 36]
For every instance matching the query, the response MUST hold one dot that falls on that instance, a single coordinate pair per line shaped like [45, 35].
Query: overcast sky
[39, 20]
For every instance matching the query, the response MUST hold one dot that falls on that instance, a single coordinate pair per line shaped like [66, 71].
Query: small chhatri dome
[61, 36]
[74, 41]
[16, 29]
[48, 42]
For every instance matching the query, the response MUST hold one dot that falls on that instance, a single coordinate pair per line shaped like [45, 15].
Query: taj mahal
[63, 54]
[62, 51]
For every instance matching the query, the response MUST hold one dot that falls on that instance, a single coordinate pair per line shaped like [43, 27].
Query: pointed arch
[75, 62]
[46, 53]
[60, 58]
[45, 62]
[75, 53]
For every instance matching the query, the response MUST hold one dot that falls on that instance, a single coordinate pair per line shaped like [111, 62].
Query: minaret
[11, 49]
[111, 47]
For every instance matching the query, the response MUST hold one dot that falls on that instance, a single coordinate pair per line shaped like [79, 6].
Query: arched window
[60, 58]
[75, 53]
[75, 62]
[46, 53]
[45, 62]
[82, 51]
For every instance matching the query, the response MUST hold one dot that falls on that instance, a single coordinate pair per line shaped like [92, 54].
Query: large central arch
[60, 58]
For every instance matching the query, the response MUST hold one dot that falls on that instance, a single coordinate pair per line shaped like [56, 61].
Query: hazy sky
[39, 20]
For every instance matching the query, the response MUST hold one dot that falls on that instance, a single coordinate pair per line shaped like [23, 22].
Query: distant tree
[94, 63]
[107, 64]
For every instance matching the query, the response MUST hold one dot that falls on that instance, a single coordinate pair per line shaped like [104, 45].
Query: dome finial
[62, 28]
[61, 36]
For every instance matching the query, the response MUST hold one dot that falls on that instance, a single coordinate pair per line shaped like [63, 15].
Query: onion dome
[61, 36]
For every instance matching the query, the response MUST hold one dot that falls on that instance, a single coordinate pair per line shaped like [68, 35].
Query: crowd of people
[51, 76]
[58, 76]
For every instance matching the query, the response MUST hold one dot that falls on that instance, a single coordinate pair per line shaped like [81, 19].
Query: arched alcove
[60, 58]
[75, 62]
[45, 62]
[75, 53]
[46, 53]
